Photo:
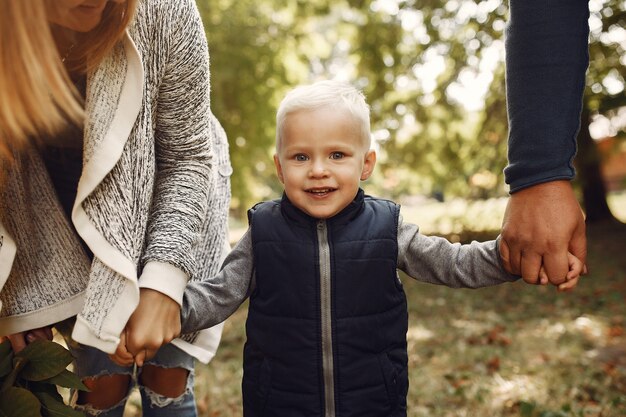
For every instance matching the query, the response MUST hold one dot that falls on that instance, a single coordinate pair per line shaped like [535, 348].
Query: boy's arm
[210, 302]
[437, 261]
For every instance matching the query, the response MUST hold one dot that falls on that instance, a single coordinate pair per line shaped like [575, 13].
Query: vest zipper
[327, 330]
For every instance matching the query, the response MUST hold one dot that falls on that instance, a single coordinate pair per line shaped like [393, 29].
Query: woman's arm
[184, 181]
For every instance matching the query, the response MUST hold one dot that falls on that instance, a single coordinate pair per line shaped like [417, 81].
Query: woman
[145, 183]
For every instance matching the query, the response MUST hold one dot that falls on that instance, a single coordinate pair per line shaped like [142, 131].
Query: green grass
[512, 350]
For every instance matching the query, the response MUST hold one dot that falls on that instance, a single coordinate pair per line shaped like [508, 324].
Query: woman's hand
[155, 322]
[21, 339]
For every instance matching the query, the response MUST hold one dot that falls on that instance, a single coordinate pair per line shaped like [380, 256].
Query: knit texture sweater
[152, 201]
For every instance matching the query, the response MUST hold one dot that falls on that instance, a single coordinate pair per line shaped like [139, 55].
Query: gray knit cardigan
[152, 200]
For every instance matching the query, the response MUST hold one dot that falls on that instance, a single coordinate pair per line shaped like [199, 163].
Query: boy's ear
[279, 169]
[368, 164]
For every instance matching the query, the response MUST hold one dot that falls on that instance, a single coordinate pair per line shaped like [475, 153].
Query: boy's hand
[155, 322]
[122, 356]
[576, 269]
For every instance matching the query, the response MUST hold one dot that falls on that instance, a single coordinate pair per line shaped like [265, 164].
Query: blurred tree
[419, 62]
[604, 96]
[251, 45]
[432, 71]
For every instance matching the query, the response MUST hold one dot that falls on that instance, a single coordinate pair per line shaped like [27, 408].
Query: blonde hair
[94, 45]
[326, 93]
[37, 97]
[36, 94]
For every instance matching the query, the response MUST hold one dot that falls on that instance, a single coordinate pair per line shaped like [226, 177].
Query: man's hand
[541, 224]
[155, 322]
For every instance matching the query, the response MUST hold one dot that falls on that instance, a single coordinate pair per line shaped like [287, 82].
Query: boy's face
[321, 160]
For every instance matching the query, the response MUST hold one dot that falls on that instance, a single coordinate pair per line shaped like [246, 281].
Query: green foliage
[606, 76]
[28, 380]
[410, 58]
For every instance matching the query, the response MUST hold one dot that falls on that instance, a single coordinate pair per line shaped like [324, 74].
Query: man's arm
[546, 60]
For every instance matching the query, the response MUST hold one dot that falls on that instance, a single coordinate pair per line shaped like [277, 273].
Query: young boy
[327, 320]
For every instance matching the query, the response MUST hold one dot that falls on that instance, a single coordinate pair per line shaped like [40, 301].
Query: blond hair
[94, 45]
[37, 97]
[36, 94]
[326, 93]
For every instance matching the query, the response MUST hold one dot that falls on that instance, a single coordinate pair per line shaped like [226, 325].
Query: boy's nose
[318, 169]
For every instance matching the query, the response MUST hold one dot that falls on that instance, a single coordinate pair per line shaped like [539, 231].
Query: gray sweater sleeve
[209, 302]
[435, 260]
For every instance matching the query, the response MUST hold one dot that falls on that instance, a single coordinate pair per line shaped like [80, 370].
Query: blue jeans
[92, 362]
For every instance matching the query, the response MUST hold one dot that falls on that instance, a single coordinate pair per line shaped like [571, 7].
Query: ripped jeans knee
[107, 396]
[162, 386]
[165, 383]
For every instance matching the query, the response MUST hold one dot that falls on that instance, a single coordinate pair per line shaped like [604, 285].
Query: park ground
[511, 350]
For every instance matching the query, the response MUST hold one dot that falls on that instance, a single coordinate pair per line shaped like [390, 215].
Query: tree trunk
[589, 175]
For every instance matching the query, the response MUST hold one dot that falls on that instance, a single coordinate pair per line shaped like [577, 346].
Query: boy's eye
[337, 155]
[301, 157]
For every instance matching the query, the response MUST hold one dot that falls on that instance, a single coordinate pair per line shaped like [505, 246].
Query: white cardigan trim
[44, 317]
[205, 345]
[105, 158]
[99, 165]
[85, 334]
[164, 278]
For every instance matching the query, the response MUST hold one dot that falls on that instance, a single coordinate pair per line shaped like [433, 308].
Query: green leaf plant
[29, 380]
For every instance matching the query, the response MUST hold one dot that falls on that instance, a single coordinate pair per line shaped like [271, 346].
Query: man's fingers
[530, 266]
[578, 245]
[556, 265]
[505, 256]
[515, 258]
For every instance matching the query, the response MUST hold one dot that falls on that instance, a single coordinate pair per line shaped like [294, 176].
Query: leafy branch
[29, 380]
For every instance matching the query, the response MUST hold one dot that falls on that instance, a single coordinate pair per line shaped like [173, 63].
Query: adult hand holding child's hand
[155, 322]
[541, 224]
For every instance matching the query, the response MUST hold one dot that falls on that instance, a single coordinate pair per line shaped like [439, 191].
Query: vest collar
[344, 216]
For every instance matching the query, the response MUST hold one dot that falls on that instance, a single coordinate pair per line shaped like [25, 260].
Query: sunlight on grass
[418, 333]
[617, 204]
[456, 216]
[507, 392]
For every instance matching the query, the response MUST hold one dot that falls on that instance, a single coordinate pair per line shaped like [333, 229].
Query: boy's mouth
[320, 191]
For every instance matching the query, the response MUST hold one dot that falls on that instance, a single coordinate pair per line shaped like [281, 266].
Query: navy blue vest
[327, 321]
